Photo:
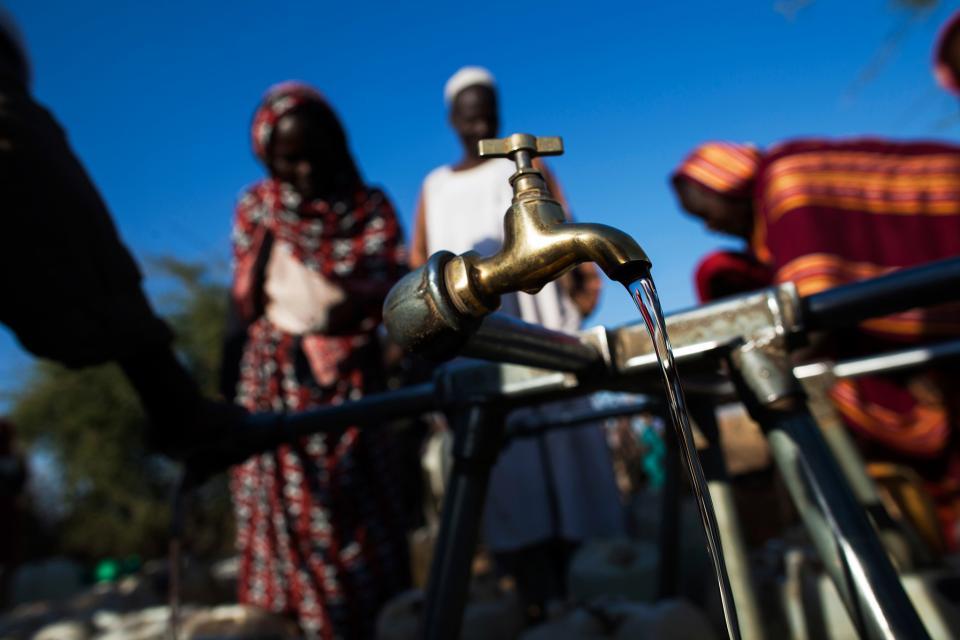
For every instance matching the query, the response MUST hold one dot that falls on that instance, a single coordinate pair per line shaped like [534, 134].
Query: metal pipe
[569, 421]
[844, 450]
[501, 338]
[264, 431]
[845, 306]
[884, 363]
[261, 432]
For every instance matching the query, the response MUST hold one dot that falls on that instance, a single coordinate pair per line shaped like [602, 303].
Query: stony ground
[135, 608]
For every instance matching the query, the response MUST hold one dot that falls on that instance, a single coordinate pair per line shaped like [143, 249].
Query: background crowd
[322, 523]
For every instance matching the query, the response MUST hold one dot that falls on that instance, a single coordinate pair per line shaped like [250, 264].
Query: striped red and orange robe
[833, 212]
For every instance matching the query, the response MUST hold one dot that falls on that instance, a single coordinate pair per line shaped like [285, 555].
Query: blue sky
[157, 98]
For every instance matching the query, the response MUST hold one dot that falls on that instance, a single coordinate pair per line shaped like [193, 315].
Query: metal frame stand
[477, 440]
[755, 327]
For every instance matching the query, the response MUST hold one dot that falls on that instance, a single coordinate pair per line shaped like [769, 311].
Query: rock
[238, 622]
[26, 619]
[134, 609]
[130, 594]
[65, 630]
[51, 579]
[151, 623]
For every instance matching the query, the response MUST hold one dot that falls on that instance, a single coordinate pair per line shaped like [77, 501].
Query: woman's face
[300, 154]
[729, 215]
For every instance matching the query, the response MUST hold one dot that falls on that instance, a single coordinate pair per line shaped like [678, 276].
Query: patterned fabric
[319, 529]
[829, 213]
[319, 534]
[356, 244]
[723, 167]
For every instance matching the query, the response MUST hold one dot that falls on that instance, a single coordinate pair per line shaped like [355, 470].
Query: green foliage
[197, 311]
[91, 422]
[116, 494]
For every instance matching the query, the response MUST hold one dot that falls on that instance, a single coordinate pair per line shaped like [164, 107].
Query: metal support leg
[478, 437]
[900, 539]
[668, 534]
[734, 548]
[847, 543]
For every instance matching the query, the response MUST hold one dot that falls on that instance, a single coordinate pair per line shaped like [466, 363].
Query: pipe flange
[420, 315]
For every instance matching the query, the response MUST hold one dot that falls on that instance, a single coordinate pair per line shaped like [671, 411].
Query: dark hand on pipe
[205, 434]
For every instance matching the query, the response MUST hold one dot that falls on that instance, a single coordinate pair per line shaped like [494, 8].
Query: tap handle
[522, 148]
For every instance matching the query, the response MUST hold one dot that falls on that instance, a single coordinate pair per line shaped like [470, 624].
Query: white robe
[463, 211]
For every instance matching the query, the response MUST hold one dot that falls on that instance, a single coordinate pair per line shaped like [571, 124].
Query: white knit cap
[466, 77]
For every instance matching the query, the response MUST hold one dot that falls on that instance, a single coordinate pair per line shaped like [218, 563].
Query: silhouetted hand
[209, 441]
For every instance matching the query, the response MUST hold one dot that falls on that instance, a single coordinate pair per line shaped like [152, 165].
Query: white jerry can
[487, 616]
[622, 620]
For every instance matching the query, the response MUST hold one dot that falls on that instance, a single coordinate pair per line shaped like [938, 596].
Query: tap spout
[539, 247]
[558, 249]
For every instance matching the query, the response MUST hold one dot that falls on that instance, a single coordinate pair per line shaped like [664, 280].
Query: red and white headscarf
[279, 100]
[354, 240]
[726, 168]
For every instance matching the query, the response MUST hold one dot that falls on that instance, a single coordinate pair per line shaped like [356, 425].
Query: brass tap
[539, 245]
[435, 308]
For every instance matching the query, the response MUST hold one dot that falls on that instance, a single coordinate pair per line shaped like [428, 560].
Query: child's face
[474, 116]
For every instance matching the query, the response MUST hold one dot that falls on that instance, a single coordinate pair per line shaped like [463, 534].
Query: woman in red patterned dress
[319, 529]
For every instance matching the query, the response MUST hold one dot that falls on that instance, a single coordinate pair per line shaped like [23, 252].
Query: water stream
[644, 294]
